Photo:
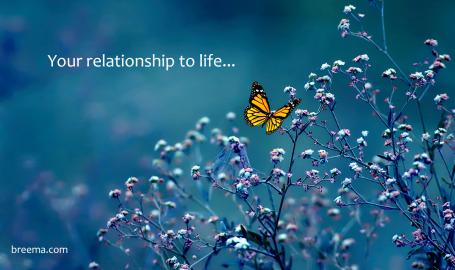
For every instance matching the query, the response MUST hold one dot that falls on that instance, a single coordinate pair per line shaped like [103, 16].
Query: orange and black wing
[276, 120]
[258, 110]
[258, 98]
[254, 116]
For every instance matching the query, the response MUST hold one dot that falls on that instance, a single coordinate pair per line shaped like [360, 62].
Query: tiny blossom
[406, 127]
[187, 218]
[335, 172]
[444, 57]
[170, 204]
[235, 160]
[362, 57]
[301, 112]
[437, 65]
[390, 181]
[160, 144]
[450, 259]
[429, 74]
[309, 86]
[277, 155]
[246, 172]
[184, 266]
[233, 140]
[312, 173]
[440, 131]
[242, 190]
[112, 222]
[336, 65]
[238, 242]
[222, 176]
[156, 179]
[449, 217]
[405, 136]
[313, 116]
[346, 243]
[324, 79]
[195, 172]
[264, 210]
[417, 76]
[333, 212]
[338, 201]
[230, 116]
[93, 266]
[418, 205]
[307, 153]
[324, 97]
[343, 26]
[291, 91]
[115, 193]
[177, 172]
[355, 167]
[390, 73]
[418, 235]
[170, 185]
[346, 182]
[343, 133]
[423, 157]
[173, 262]
[361, 141]
[213, 219]
[282, 237]
[439, 98]
[101, 233]
[202, 122]
[130, 182]
[375, 170]
[325, 66]
[387, 133]
[354, 70]
[431, 42]
[292, 227]
[399, 240]
[348, 9]
[323, 154]
[195, 136]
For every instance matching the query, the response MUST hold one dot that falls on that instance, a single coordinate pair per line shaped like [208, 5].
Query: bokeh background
[69, 136]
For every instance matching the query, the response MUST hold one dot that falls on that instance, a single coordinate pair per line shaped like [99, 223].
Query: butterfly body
[258, 111]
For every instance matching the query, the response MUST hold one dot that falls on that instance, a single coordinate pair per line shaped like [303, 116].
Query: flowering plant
[276, 218]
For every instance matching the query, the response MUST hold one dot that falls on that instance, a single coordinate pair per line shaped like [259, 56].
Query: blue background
[63, 130]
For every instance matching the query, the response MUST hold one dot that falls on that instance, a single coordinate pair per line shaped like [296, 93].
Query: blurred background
[68, 136]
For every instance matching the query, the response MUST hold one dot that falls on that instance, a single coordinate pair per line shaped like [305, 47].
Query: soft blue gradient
[98, 127]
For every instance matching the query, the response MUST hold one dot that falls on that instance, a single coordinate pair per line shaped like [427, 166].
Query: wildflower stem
[339, 128]
[424, 92]
[384, 50]
[272, 186]
[261, 252]
[186, 195]
[384, 37]
[269, 192]
[446, 165]
[373, 107]
[203, 258]
[429, 151]
[385, 207]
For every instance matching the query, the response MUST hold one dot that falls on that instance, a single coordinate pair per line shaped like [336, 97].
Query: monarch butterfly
[258, 111]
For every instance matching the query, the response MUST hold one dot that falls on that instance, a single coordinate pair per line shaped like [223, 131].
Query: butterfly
[258, 111]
